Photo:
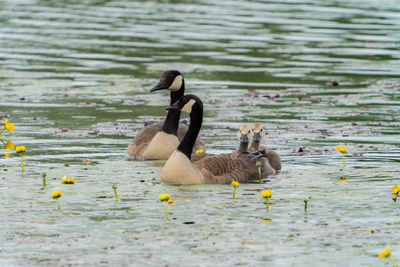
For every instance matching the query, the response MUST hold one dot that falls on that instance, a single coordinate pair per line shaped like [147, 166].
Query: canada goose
[215, 169]
[159, 140]
[244, 134]
[258, 135]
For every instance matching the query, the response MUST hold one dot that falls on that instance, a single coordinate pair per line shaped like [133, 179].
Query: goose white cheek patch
[176, 84]
[188, 106]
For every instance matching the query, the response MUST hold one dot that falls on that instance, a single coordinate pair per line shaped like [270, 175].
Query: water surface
[75, 77]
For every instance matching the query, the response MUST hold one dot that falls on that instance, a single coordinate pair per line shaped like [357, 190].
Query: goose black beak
[244, 138]
[159, 86]
[257, 137]
[174, 106]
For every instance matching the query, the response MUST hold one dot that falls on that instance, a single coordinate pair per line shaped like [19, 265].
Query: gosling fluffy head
[171, 80]
[258, 131]
[245, 134]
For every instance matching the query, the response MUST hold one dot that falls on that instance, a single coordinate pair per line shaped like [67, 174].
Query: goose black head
[245, 134]
[186, 103]
[171, 80]
[258, 131]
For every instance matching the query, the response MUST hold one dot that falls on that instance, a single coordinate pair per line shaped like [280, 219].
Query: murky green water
[74, 78]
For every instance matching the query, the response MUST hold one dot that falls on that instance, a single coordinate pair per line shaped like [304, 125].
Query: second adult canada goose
[216, 169]
[159, 140]
[258, 135]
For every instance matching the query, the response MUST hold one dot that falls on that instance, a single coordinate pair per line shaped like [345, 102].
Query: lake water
[75, 79]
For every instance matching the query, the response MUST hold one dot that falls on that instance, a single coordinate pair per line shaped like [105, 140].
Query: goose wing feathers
[139, 144]
[222, 169]
[273, 157]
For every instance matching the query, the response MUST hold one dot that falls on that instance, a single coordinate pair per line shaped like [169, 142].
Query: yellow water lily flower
[167, 198]
[341, 149]
[396, 189]
[164, 197]
[9, 145]
[20, 149]
[199, 151]
[266, 193]
[56, 194]
[8, 126]
[235, 183]
[384, 253]
[66, 180]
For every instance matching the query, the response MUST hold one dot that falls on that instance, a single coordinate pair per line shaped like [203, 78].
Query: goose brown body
[222, 169]
[211, 169]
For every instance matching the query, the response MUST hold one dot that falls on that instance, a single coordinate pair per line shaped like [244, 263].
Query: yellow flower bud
[235, 183]
[266, 193]
[341, 149]
[396, 189]
[66, 180]
[384, 253]
[170, 201]
[164, 197]
[56, 194]
[199, 151]
[20, 149]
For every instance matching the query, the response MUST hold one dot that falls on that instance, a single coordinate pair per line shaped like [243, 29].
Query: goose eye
[261, 130]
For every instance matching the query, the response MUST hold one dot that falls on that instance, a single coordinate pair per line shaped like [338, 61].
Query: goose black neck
[196, 119]
[171, 123]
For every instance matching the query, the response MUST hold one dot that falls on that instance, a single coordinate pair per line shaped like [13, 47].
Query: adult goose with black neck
[159, 140]
[215, 169]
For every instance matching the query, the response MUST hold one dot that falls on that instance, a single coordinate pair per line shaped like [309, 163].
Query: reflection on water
[74, 78]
